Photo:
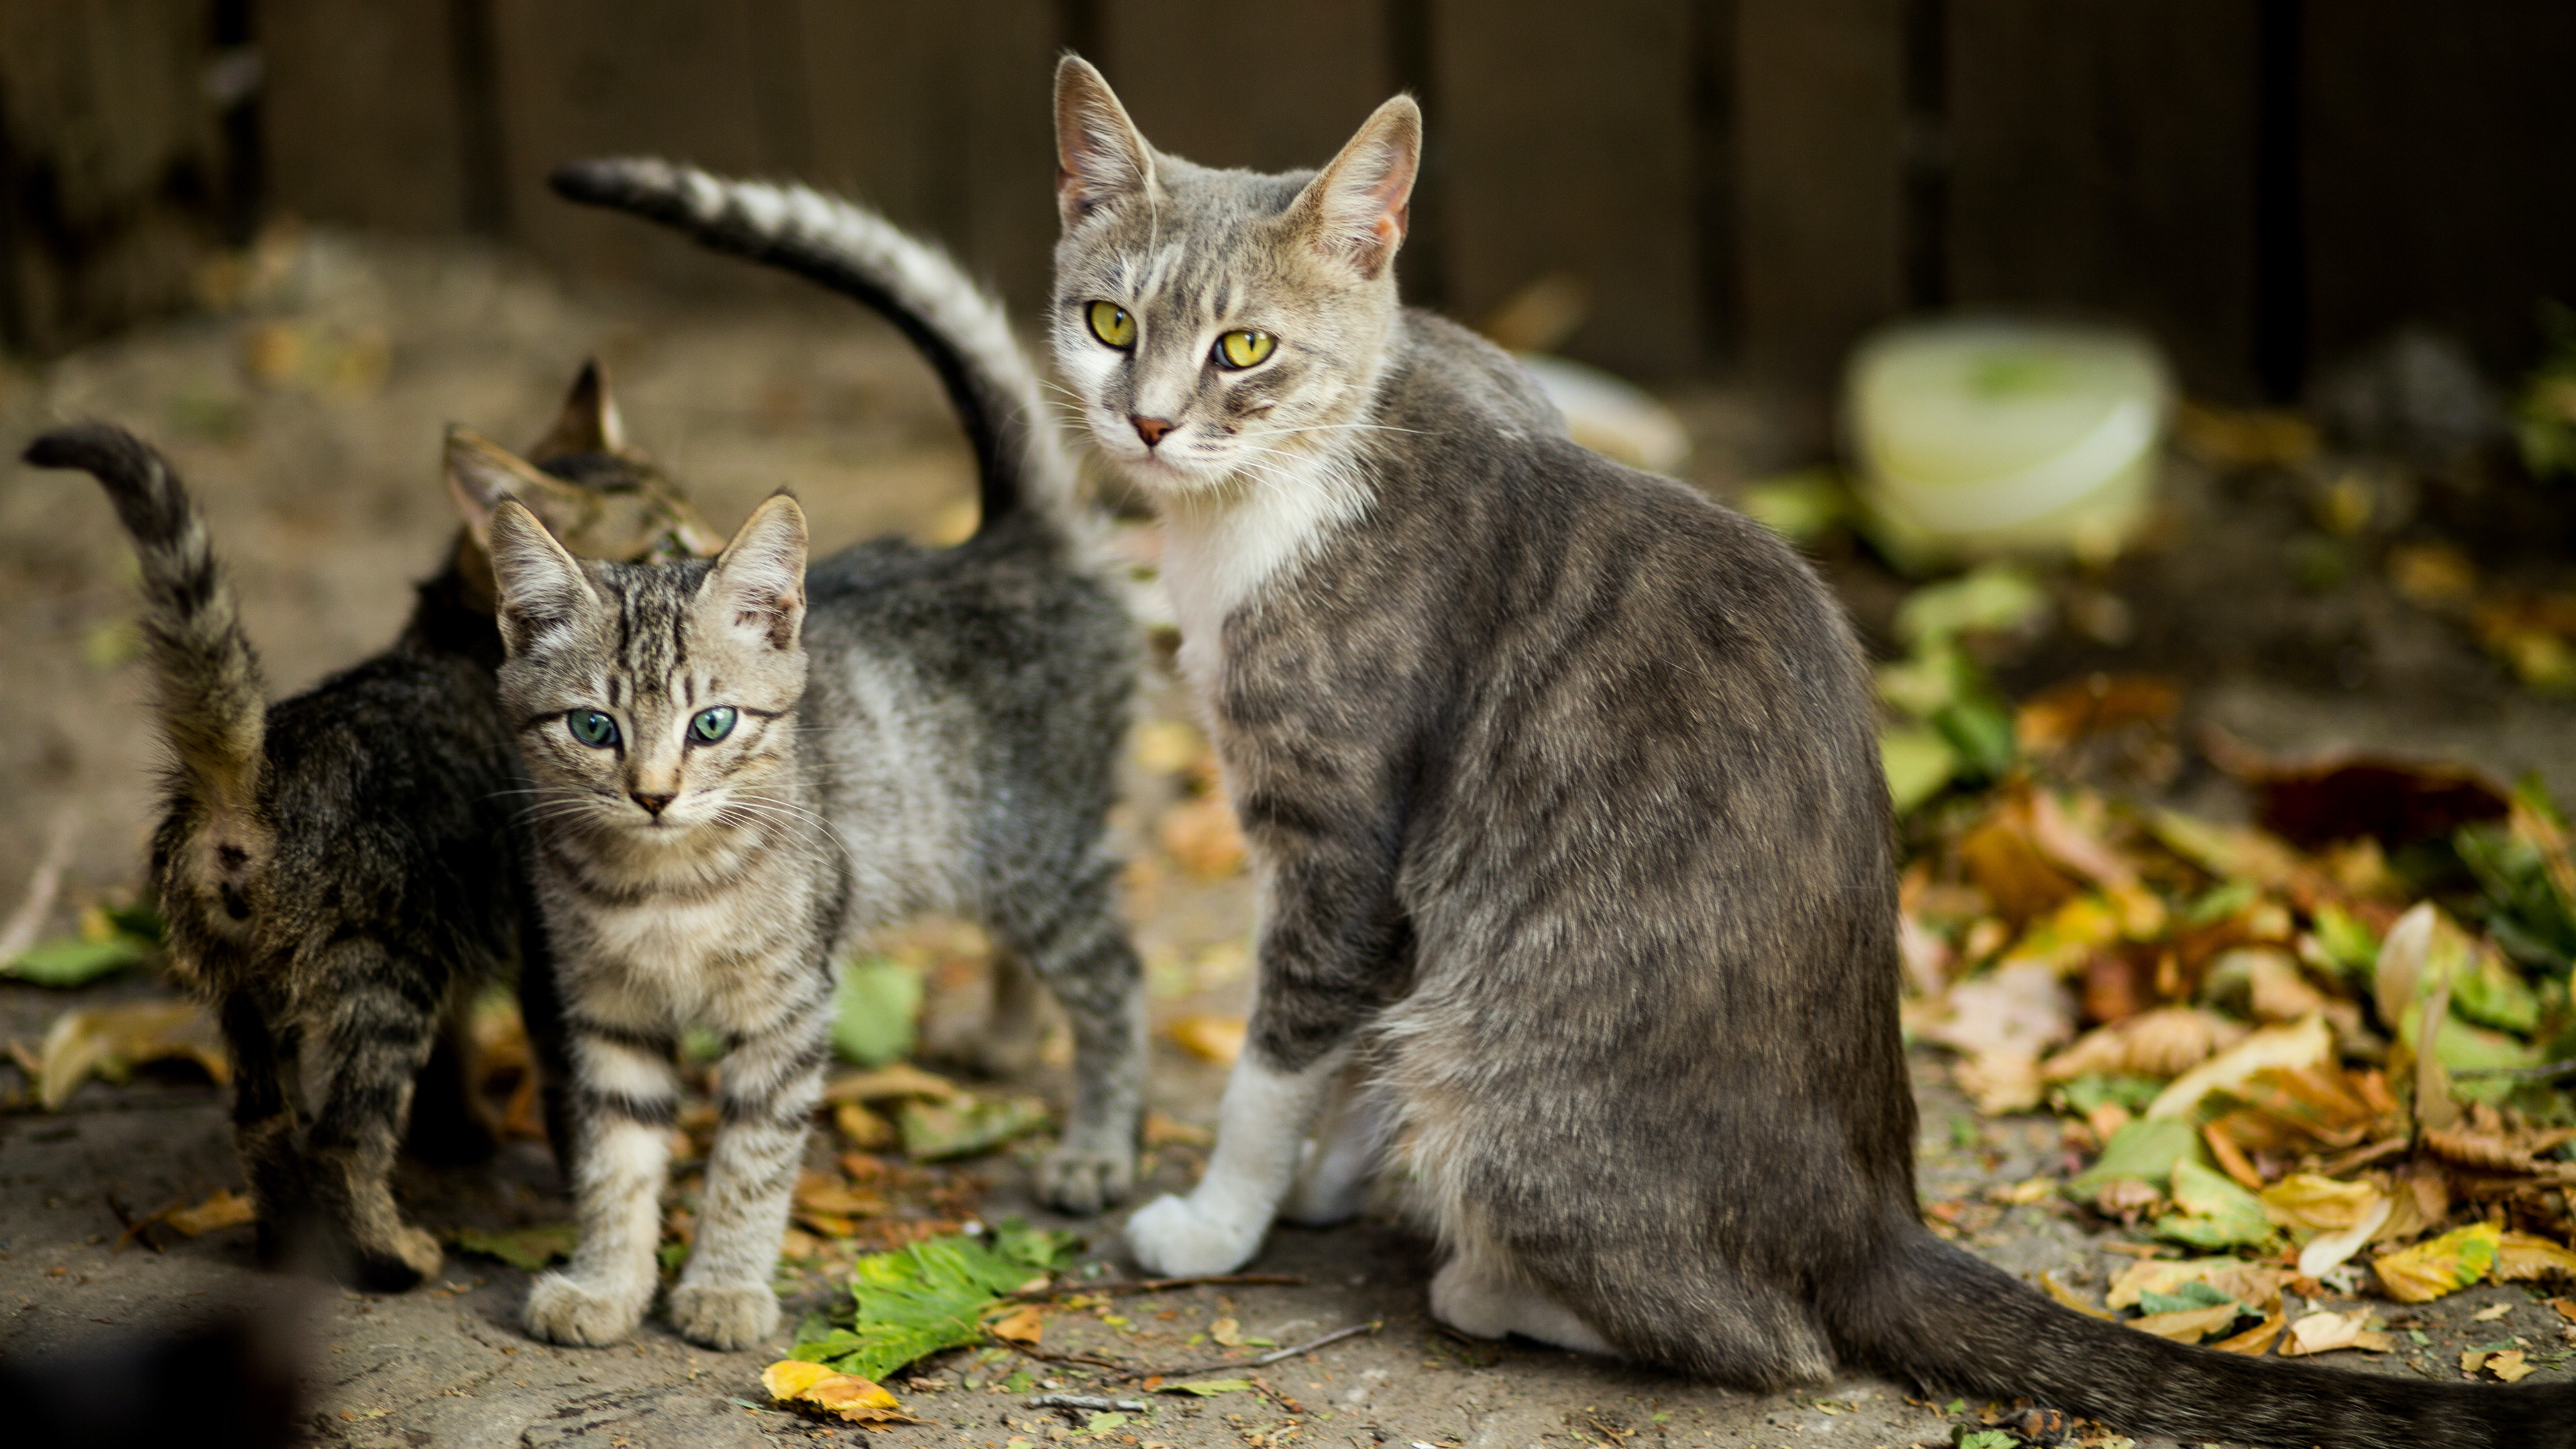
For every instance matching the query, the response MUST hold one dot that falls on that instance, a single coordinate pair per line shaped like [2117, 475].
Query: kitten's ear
[480, 474]
[1100, 156]
[588, 422]
[541, 587]
[758, 587]
[1357, 207]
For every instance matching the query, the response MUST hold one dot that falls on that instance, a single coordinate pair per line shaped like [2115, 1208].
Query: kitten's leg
[770, 1083]
[264, 1126]
[449, 1125]
[1475, 1298]
[541, 1013]
[1015, 1027]
[625, 1096]
[369, 1049]
[1260, 1140]
[1338, 1166]
[1080, 949]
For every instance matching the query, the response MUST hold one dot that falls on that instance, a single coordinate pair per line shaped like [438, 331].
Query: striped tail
[957, 325]
[206, 678]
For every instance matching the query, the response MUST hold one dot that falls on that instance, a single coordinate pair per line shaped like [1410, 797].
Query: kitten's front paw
[564, 1309]
[1084, 1180]
[724, 1315]
[1178, 1237]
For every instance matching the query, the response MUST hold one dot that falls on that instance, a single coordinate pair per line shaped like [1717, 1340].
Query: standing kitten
[746, 765]
[339, 870]
[1574, 848]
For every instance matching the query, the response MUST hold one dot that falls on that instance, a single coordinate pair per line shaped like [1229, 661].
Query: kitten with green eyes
[744, 764]
[1579, 900]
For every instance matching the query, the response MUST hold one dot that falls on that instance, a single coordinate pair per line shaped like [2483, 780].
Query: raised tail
[918, 287]
[1956, 1322]
[206, 677]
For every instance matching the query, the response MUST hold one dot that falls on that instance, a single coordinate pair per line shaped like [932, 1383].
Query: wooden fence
[1742, 184]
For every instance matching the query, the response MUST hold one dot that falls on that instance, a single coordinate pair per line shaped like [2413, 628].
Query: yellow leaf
[1166, 746]
[109, 1040]
[2446, 1264]
[1022, 1325]
[856, 1399]
[2190, 1325]
[2509, 1365]
[862, 1128]
[2306, 1200]
[223, 1210]
[1202, 835]
[2524, 1256]
[1226, 1331]
[2050, 1285]
[2304, 1044]
[2326, 1332]
[789, 1377]
[902, 1079]
[1209, 1037]
[2248, 1282]
[2165, 1042]
[2256, 1341]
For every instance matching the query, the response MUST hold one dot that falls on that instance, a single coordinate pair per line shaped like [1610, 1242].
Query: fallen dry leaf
[1166, 746]
[2001, 1081]
[2526, 1257]
[2008, 865]
[223, 1210]
[858, 1400]
[2491, 1313]
[2066, 715]
[2305, 1044]
[2049, 1284]
[2165, 1042]
[1021, 1325]
[2443, 1265]
[2566, 1308]
[2023, 1009]
[112, 1040]
[823, 1193]
[2394, 801]
[2326, 1332]
[1202, 835]
[1162, 1131]
[1226, 1331]
[2305, 1200]
[2188, 1325]
[1209, 1037]
[2510, 1366]
[863, 1129]
[2253, 1283]
[902, 1079]
[2256, 1341]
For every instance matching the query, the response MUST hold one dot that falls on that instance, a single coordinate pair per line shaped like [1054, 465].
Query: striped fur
[1575, 847]
[339, 870]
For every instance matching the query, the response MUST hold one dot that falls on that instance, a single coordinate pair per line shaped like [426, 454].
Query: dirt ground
[307, 418]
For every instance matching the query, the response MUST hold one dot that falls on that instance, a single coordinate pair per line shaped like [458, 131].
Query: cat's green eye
[1111, 324]
[592, 728]
[712, 725]
[1244, 347]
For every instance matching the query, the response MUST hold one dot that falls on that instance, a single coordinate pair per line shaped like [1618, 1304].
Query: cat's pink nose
[1151, 429]
[653, 804]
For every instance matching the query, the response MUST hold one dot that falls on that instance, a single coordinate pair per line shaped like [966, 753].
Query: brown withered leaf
[2530, 1258]
[2008, 865]
[2068, 714]
[110, 1041]
[2165, 1042]
[2350, 795]
[814, 1388]
[224, 1209]
[2256, 1341]
[2325, 1332]
[1209, 1036]
[889, 1083]
[1022, 1325]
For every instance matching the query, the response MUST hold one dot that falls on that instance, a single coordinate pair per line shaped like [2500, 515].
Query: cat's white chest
[1219, 557]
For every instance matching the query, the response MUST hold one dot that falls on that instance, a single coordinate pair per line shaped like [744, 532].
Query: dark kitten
[1577, 859]
[341, 869]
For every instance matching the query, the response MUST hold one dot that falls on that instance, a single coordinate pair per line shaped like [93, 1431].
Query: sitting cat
[1576, 857]
[339, 871]
[743, 765]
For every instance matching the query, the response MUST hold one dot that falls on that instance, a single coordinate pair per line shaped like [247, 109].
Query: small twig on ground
[1043, 1356]
[133, 1225]
[1271, 1357]
[42, 887]
[2540, 1073]
[1092, 1402]
[1126, 1287]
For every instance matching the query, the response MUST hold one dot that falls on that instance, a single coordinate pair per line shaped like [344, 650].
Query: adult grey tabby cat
[340, 871]
[747, 764]
[1580, 909]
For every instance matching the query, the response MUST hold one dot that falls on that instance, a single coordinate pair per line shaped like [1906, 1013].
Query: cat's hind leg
[1340, 1163]
[370, 1041]
[1260, 1143]
[1476, 1297]
[267, 1123]
[769, 1085]
[624, 1098]
[1077, 944]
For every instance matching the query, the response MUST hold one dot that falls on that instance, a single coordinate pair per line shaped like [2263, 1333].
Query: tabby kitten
[339, 871]
[1575, 851]
[744, 765]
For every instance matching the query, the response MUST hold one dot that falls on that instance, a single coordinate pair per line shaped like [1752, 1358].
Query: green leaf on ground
[2216, 1213]
[936, 1131]
[2145, 1149]
[529, 1248]
[931, 1296]
[874, 1012]
[1209, 1388]
[69, 961]
[2195, 1294]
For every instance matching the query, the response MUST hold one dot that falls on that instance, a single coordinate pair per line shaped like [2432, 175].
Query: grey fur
[1576, 854]
[340, 870]
[917, 729]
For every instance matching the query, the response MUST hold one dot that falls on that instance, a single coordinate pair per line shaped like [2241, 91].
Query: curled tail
[206, 678]
[1954, 1321]
[957, 325]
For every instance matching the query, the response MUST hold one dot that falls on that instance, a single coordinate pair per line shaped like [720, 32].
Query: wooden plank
[1567, 132]
[2435, 159]
[1005, 145]
[1272, 88]
[361, 113]
[693, 82]
[111, 171]
[2101, 161]
[1820, 110]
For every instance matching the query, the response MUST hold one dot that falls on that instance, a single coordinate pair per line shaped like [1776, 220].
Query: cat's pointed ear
[588, 422]
[481, 474]
[1357, 207]
[758, 586]
[1100, 156]
[540, 587]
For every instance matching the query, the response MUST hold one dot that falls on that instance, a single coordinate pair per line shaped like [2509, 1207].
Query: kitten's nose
[1151, 429]
[652, 804]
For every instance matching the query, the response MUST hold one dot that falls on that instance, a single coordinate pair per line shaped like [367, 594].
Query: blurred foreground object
[1605, 412]
[229, 1383]
[1977, 439]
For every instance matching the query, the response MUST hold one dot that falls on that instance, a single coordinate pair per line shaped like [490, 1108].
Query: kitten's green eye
[712, 725]
[592, 728]
[1111, 324]
[1244, 348]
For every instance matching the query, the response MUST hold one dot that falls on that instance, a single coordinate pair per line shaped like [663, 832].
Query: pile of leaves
[2341, 1035]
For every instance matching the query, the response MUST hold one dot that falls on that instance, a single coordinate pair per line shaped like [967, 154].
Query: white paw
[1177, 1236]
[564, 1309]
[726, 1316]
